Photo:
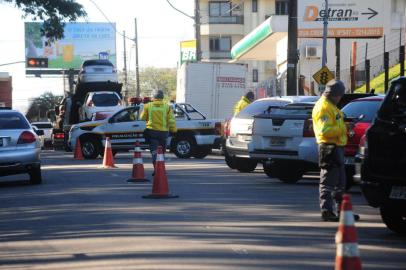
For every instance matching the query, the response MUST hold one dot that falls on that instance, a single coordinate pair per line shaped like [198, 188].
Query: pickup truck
[196, 135]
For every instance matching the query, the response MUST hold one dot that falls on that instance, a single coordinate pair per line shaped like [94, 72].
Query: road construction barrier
[138, 172]
[160, 188]
[78, 151]
[108, 160]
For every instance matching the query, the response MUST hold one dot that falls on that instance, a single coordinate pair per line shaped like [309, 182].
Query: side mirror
[39, 132]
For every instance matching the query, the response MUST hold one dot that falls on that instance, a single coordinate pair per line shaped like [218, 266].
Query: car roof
[33, 123]
[293, 98]
[372, 98]
[8, 110]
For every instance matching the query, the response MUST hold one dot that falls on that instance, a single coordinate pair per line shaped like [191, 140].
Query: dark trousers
[332, 176]
[157, 138]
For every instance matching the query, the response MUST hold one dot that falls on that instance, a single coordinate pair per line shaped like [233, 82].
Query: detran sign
[346, 19]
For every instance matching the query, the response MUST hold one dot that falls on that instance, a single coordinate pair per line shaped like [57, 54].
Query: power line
[180, 11]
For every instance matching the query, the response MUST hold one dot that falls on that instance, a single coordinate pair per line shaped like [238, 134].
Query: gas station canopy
[260, 44]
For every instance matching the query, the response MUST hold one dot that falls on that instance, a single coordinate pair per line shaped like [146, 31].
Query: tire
[201, 152]
[230, 161]
[267, 170]
[183, 147]
[287, 174]
[394, 218]
[245, 165]
[35, 176]
[91, 148]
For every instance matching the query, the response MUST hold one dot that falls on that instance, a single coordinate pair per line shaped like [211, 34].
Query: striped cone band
[347, 218]
[137, 154]
[347, 250]
[137, 161]
[160, 157]
[108, 143]
[137, 149]
[346, 235]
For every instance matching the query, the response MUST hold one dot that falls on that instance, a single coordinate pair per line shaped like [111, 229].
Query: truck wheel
[35, 176]
[245, 165]
[183, 147]
[394, 218]
[91, 148]
[287, 174]
[201, 152]
[230, 161]
[267, 170]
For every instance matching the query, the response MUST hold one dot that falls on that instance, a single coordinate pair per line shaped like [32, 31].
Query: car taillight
[226, 128]
[308, 128]
[89, 104]
[59, 136]
[26, 137]
[217, 128]
[363, 145]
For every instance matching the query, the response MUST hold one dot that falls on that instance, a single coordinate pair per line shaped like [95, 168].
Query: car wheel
[201, 152]
[267, 170]
[183, 147]
[287, 174]
[35, 176]
[245, 165]
[394, 218]
[230, 160]
[91, 148]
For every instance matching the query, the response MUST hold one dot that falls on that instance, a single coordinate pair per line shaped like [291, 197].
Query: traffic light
[37, 62]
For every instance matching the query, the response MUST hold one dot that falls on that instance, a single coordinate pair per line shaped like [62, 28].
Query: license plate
[277, 141]
[398, 192]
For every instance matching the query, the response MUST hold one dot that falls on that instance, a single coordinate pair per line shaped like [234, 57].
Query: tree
[52, 13]
[40, 105]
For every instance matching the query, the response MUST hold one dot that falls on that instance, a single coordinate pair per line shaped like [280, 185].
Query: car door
[124, 128]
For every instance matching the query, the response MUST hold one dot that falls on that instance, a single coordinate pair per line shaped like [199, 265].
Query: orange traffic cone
[138, 173]
[108, 161]
[347, 257]
[78, 151]
[160, 189]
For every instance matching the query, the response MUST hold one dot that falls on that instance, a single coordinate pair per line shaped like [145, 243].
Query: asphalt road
[85, 217]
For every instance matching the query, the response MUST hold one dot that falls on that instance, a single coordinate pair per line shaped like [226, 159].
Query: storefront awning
[260, 44]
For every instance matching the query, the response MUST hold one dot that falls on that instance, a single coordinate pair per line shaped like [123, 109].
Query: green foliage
[33, 31]
[40, 105]
[52, 13]
[378, 83]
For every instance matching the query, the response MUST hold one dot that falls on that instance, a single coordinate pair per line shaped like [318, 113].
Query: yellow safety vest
[241, 104]
[328, 123]
[159, 116]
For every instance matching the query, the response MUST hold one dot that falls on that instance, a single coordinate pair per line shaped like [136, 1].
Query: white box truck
[212, 88]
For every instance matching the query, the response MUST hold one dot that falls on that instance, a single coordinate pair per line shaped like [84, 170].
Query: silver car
[19, 146]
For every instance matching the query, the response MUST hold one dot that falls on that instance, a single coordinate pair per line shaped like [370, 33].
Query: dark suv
[383, 159]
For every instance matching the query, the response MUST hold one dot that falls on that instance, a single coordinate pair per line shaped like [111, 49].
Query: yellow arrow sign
[323, 76]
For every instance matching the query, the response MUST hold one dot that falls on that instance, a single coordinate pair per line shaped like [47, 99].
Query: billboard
[187, 51]
[82, 41]
[346, 18]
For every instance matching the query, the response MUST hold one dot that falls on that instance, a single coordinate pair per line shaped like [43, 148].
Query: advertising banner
[346, 18]
[187, 51]
[82, 41]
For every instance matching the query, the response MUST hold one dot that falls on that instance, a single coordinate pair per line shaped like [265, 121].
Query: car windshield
[42, 125]
[12, 120]
[97, 63]
[258, 107]
[368, 110]
[293, 109]
[105, 100]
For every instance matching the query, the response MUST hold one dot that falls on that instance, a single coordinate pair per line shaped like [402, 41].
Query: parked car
[360, 114]
[94, 102]
[46, 127]
[383, 159]
[97, 70]
[239, 131]
[19, 146]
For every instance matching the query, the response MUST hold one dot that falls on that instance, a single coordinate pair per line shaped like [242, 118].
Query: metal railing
[226, 20]
[217, 55]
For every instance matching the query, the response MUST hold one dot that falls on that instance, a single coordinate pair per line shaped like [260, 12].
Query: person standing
[331, 135]
[245, 100]
[160, 121]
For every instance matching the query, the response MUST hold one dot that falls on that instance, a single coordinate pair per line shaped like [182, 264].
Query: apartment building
[224, 23]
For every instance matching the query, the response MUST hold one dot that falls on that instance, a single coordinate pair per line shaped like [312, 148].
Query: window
[258, 107]
[219, 9]
[12, 120]
[281, 7]
[220, 44]
[254, 5]
[366, 108]
[255, 75]
[105, 100]
[128, 115]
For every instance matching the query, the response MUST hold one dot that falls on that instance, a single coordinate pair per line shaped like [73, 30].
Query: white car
[104, 101]
[97, 70]
[47, 128]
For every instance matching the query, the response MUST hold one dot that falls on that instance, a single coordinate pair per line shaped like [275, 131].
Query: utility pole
[125, 71]
[197, 31]
[137, 74]
[324, 56]
[291, 84]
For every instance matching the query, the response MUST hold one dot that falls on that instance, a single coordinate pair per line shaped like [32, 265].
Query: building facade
[5, 90]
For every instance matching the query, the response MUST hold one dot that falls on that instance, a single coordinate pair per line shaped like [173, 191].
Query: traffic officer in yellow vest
[160, 121]
[331, 135]
[245, 100]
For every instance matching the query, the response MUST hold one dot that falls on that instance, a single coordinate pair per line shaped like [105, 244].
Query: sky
[160, 29]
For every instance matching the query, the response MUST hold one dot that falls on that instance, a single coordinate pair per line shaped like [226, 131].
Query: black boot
[329, 216]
